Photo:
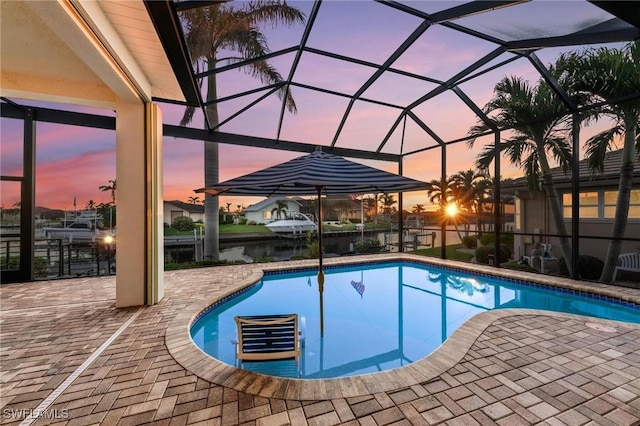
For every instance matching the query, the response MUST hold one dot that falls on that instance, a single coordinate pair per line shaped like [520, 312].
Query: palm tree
[280, 209]
[418, 208]
[467, 187]
[535, 138]
[387, 205]
[110, 187]
[210, 30]
[371, 203]
[91, 205]
[438, 193]
[470, 188]
[605, 75]
[194, 200]
[444, 194]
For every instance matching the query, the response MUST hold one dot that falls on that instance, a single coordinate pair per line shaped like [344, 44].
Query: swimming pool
[380, 316]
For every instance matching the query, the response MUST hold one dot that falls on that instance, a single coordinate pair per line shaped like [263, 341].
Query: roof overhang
[84, 53]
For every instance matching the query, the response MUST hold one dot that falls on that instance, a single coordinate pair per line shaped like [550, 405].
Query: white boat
[294, 223]
[83, 228]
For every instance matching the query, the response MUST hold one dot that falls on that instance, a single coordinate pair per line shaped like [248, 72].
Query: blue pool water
[380, 316]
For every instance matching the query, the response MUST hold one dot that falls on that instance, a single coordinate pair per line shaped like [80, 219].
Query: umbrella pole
[320, 271]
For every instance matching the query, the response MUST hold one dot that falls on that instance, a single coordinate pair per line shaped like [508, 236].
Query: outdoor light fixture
[109, 240]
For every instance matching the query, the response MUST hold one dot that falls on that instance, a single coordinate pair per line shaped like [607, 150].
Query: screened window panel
[610, 202]
[589, 212]
[610, 197]
[588, 199]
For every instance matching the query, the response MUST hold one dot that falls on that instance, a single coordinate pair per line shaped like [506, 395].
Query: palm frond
[187, 116]
[597, 146]
[516, 147]
[275, 12]
[224, 27]
[561, 151]
[486, 157]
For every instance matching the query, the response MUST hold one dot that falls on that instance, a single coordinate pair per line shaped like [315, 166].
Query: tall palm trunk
[375, 209]
[623, 201]
[556, 210]
[211, 176]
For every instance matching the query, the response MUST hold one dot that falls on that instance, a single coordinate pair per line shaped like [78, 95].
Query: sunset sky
[73, 162]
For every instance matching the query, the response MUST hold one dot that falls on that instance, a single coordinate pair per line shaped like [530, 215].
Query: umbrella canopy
[303, 176]
[313, 174]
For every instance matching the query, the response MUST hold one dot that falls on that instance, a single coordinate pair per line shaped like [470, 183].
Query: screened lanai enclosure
[399, 85]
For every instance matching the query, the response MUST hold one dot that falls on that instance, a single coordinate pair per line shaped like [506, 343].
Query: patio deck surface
[66, 349]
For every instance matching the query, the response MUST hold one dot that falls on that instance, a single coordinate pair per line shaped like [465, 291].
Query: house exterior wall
[532, 216]
[536, 217]
[597, 247]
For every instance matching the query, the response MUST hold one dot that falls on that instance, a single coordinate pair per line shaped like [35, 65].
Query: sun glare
[451, 210]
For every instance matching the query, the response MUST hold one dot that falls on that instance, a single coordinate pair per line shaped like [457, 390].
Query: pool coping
[186, 353]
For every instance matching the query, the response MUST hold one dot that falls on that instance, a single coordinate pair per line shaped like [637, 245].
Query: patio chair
[268, 338]
[628, 262]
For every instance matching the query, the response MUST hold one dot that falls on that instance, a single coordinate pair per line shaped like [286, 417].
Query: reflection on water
[463, 284]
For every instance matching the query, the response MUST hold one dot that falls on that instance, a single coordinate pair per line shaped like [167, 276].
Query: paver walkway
[521, 367]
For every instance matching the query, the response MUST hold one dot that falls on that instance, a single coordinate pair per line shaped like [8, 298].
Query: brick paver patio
[509, 367]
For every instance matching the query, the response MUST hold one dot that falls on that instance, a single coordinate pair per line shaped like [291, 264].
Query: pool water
[379, 316]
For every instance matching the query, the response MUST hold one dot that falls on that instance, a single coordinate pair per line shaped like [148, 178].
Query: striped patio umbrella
[316, 174]
[303, 175]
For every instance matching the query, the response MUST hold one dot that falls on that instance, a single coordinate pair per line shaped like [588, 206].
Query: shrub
[368, 245]
[313, 247]
[40, 270]
[183, 223]
[589, 267]
[482, 254]
[518, 267]
[470, 241]
[252, 223]
[225, 218]
[506, 241]
[489, 238]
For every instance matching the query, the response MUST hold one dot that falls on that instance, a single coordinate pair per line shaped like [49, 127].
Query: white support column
[155, 224]
[139, 241]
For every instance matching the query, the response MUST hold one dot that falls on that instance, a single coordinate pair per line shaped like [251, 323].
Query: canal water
[283, 248]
